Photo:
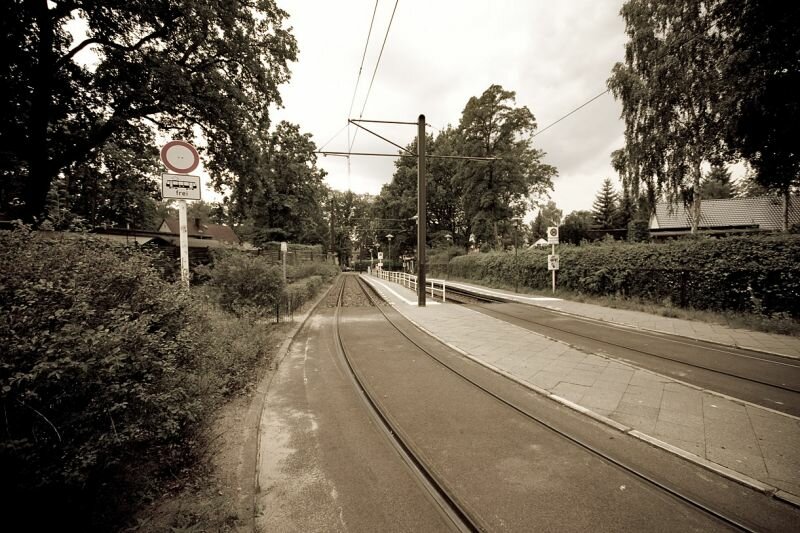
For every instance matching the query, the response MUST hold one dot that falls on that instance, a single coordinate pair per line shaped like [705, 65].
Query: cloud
[438, 55]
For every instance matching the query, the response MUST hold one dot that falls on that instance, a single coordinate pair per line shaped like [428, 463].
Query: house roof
[218, 232]
[761, 212]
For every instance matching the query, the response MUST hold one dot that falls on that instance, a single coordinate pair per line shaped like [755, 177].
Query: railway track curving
[462, 515]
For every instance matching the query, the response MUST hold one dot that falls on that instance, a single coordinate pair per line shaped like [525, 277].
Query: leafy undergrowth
[113, 382]
[204, 498]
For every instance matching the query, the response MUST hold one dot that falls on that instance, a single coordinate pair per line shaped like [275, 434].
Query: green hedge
[100, 373]
[245, 283]
[750, 274]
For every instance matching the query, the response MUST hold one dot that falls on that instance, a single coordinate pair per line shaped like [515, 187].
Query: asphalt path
[323, 465]
[759, 378]
[512, 474]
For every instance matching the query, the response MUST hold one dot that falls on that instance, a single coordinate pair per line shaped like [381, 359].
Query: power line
[358, 78]
[589, 101]
[334, 136]
[364, 55]
[374, 72]
[670, 49]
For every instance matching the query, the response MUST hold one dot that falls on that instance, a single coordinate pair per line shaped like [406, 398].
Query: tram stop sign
[552, 235]
[552, 262]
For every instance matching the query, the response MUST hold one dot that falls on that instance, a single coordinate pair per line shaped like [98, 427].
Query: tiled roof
[218, 232]
[766, 212]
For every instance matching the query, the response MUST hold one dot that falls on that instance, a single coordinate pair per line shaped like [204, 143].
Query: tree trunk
[696, 199]
[787, 201]
[40, 174]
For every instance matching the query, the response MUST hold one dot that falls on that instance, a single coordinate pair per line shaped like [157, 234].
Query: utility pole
[333, 239]
[421, 211]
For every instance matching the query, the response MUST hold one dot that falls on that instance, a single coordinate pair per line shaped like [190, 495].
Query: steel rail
[487, 298]
[450, 508]
[675, 493]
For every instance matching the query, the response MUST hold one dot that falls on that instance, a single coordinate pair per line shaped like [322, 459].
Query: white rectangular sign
[552, 262]
[380, 256]
[181, 186]
[552, 235]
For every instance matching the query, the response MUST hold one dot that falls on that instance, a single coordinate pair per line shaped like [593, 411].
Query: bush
[306, 270]
[745, 273]
[244, 283]
[100, 371]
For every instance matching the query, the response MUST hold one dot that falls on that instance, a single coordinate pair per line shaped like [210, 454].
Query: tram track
[782, 395]
[470, 519]
[452, 510]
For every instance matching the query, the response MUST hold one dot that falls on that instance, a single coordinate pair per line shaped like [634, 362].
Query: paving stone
[645, 424]
[637, 410]
[695, 447]
[665, 428]
[569, 391]
[579, 377]
[545, 380]
[750, 464]
[599, 398]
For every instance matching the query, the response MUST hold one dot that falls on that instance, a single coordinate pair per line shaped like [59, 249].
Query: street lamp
[390, 237]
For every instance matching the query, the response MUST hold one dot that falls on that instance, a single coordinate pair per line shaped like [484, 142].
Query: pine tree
[717, 184]
[604, 207]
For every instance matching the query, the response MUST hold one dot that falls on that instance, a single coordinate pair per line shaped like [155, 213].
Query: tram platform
[753, 445]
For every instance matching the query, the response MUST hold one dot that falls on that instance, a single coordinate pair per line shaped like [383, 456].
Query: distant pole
[421, 210]
[184, 242]
[333, 238]
[554, 272]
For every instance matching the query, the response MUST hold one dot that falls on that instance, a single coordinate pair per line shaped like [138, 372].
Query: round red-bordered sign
[180, 157]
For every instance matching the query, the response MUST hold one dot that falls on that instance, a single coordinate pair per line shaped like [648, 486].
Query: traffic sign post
[181, 158]
[552, 259]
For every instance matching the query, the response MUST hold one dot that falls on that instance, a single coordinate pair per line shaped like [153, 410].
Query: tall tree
[282, 200]
[669, 85]
[575, 227]
[626, 211]
[548, 215]
[717, 184]
[173, 65]
[499, 190]
[604, 207]
[761, 73]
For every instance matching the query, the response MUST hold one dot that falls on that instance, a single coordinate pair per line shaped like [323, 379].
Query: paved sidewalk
[746, 442]
[743, 338]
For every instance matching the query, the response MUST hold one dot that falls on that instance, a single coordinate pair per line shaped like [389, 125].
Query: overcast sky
[555, 55]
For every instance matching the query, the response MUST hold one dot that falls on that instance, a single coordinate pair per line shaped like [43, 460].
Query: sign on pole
[552, 262]
[181, 158]
[180, 186]
[380, 256]
[552, 235]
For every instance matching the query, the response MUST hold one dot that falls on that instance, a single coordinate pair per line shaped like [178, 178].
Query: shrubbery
[749, 273]
[245, 283]
[326, 271]
[100, 368]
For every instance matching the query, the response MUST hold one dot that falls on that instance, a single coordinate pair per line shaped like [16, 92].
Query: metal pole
[516, 265]
[421, 211]
[553, 251]
[184, 244]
